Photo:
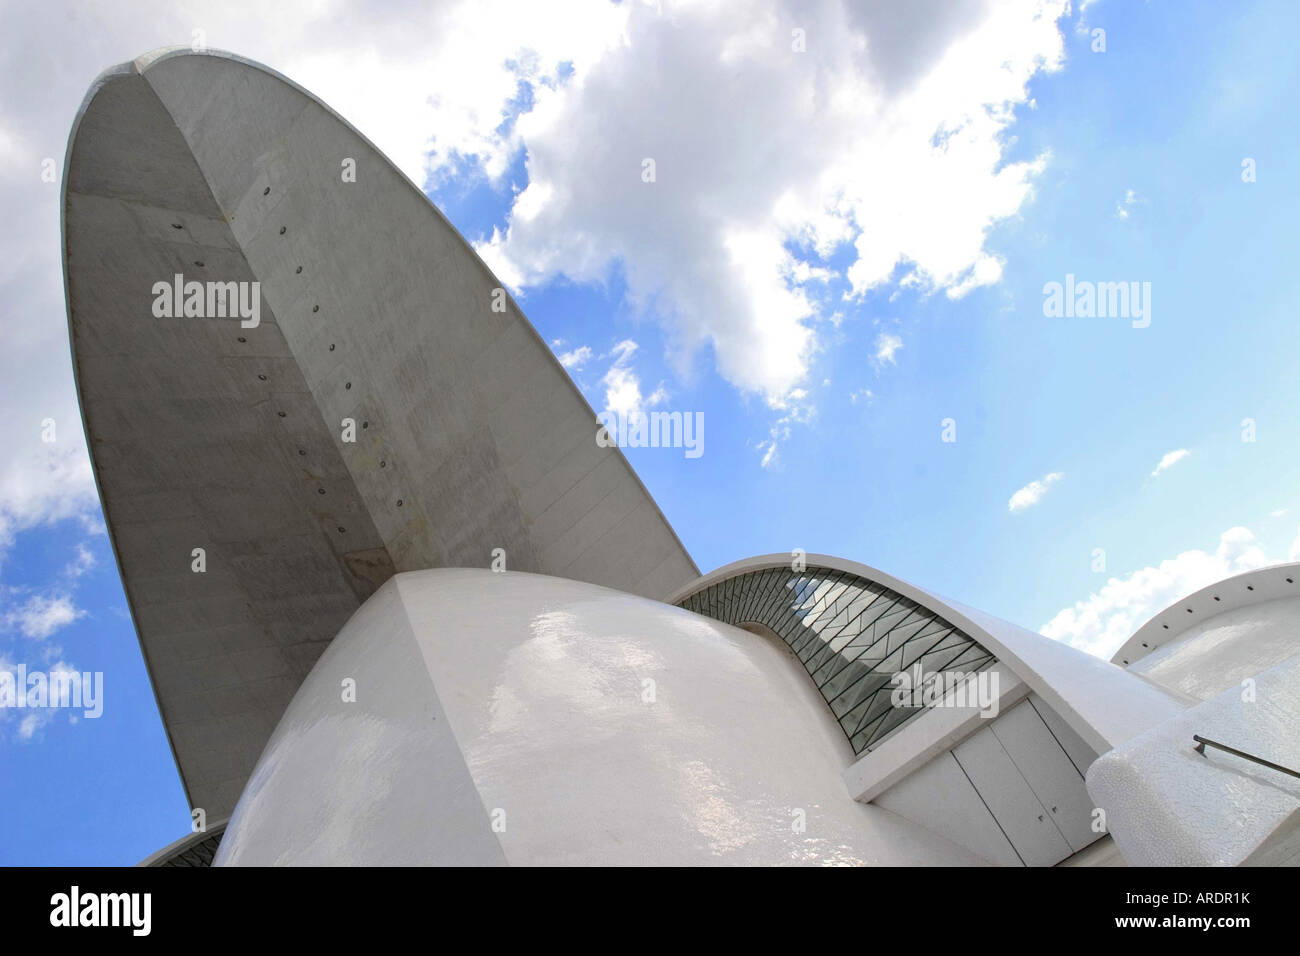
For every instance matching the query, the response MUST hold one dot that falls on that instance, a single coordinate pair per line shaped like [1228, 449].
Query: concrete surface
[204, 434]
[593, 727]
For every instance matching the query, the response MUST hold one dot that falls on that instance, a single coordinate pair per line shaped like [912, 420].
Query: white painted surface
[940, 797]
[1047, 769]
[1080, 754]
[1166, 805]
[918, 742]
[1221, 651]
[1008, 792]
[376, 781]
[1010, 799]
[541, 683]
[1189, 614]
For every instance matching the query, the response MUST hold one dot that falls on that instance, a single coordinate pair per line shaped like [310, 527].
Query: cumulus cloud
[82, 562]
[891, 123]
[793, 409]
[882, 139]
[42, 614]
[43, 483]
[887, 344]
[33, 721]
[1170, 459]
[1107, 618]
[575, 359]
[623, 386]
[1033, 492]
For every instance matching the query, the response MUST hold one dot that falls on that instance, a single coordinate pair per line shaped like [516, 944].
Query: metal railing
[1202, 743]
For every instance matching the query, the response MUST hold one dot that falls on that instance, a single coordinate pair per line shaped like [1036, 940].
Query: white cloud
[1170, 459]
[83, 562]
[31, 723]
[576, 358]
[34, 720]
[1107, 618]
[623, 386]
[895, 119]
[1121, 207]
[44, 483]
[1033, 492]
[863, 395]
[794, 409]
[41, 615]
[887, 344]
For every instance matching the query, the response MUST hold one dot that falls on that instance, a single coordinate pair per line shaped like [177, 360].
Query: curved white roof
[1272, 583]
[1101, 702]
[529, 720]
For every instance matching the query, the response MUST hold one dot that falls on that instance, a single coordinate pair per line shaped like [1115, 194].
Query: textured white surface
[1167, 805]
[1272, 583]
[1223, 650]
[542, 685]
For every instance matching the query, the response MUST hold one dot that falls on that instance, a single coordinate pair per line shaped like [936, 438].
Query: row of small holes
[262, 377]
[1249, 587]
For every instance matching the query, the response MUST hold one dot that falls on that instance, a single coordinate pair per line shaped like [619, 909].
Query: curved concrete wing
[207, 432]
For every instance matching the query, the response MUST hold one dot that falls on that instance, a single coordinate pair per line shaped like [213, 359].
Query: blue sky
[827, 439]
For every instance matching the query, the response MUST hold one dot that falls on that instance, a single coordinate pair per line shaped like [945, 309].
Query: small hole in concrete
[348, 385]
[302, 451]
[177, 225]
[1144, 645]
[342, 530]
[266, 191]
[198, 263]
[1126, 662]
[383, 464]
[1289, 581]
[242, 339]
[331, 346]
[281, 414]
[299, 269]
[283, 229]
[261, 378]
[1216, 597]
[399, 502]
[1250, 587]
[365, 424]
[1165, 626]
[315, 308]
[1189, 610]
[320, 491]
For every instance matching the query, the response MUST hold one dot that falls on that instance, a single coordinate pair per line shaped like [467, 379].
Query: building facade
[400, 605]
